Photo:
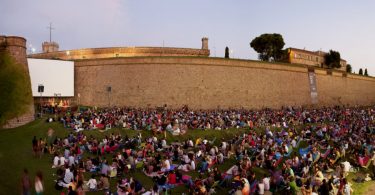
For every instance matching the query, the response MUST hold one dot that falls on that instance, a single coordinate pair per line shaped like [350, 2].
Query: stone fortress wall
[210, 83]
[111, 52]
[155, 76]
[16, 47]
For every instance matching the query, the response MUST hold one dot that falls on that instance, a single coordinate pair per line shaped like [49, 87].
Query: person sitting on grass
[92, 184]
[68, 177]
[103, 183]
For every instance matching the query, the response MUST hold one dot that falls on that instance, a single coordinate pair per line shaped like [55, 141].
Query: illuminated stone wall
[210, 83]
[117, 52]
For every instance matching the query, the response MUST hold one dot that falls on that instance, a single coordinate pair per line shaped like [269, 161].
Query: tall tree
[269, 46]
[360, 71]
[366, 74]
[226, 52]
[332, 59]
[349, 68]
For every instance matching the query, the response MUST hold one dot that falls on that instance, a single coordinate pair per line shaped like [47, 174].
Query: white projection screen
[56, 76]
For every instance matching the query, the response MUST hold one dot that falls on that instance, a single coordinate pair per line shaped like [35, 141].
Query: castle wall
[115, 52]
[16, 47]
[210, 83]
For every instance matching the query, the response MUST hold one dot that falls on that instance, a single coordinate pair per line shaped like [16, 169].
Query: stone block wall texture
[16, 46]
[210, 83]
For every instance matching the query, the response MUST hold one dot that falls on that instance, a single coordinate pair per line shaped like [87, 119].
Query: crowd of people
[293, 150]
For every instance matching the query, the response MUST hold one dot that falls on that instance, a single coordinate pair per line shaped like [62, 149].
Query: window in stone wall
[317, 59]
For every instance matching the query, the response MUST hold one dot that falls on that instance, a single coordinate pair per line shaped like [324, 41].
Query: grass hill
[15, 95]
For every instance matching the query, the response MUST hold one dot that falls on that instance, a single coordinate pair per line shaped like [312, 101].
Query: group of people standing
[27, 185]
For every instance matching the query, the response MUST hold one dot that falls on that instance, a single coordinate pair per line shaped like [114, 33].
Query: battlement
[50, 47]
[7, 41]
[50, 51]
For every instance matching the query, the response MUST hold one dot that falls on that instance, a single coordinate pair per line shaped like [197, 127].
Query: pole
[40, 103]
[50, 31]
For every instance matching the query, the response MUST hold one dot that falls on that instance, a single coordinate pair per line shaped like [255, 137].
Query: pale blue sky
[342, 25]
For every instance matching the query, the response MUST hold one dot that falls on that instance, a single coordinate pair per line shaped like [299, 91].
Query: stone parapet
[120, 52]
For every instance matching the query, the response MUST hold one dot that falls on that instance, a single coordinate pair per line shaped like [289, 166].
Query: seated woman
[166, 165]
[56, 160]
[318, 176]
[92, 183]
[188, 167]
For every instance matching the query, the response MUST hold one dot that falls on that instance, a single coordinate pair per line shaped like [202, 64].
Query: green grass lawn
[16, 154]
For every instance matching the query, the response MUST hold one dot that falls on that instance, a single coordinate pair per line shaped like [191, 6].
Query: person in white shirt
[346, 167]
[62, 160]
[192, 165]
[266, 182]
[294, 143]
[166, 165]
[71, 160]
[224, 145]
[39, 183]
[185, 158]
[261, 187]
[190, 143]
[68, 176]
[92, 184]
[56, 161]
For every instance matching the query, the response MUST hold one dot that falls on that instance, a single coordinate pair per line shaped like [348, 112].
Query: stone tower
[16, 48]
[50, 47]
[205, 43]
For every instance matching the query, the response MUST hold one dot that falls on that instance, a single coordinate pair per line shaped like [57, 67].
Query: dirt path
[370, 190]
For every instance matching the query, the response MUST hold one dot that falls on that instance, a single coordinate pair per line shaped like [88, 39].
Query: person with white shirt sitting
[68, 177]
[166, 165]
[92, 183]
[71, 160]
[62, 160]
[56, 161]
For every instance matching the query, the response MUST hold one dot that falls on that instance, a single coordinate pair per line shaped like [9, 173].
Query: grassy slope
[15, 92]
[16, 154]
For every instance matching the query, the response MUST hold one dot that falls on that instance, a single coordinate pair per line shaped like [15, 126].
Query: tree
[348, 68]
[360, 71]
[332, 59]
[226, 52]
[366, 74]
[269, 47]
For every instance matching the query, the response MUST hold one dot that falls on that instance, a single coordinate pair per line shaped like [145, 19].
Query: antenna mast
[50, 31]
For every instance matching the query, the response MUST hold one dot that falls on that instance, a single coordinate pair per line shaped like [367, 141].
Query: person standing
[50, 135]
[25, 183]
[39, 183]
[35, 146]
